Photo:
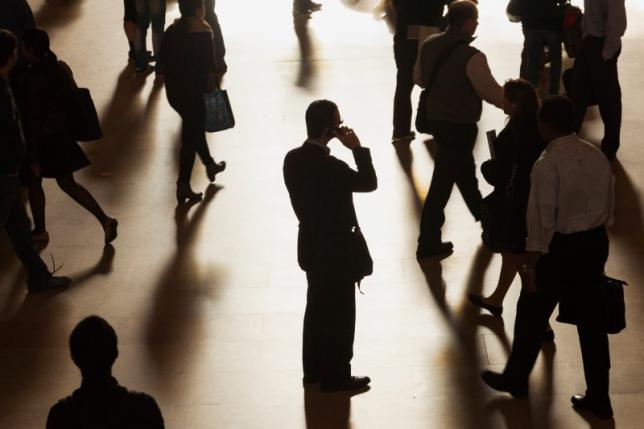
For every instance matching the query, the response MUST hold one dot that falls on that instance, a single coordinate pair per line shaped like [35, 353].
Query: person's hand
[347, 137]
[35, 169]
[528, 280]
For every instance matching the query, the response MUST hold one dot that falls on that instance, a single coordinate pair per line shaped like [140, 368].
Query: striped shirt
[571, 190]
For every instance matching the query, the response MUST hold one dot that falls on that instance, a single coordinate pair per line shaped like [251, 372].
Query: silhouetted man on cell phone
[321, 188]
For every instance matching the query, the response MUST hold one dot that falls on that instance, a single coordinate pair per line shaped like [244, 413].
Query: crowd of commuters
[561, 186]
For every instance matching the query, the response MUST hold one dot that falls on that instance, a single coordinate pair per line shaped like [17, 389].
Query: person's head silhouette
[93, 346]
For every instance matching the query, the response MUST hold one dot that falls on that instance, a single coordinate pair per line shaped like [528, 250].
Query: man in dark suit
[321, 188]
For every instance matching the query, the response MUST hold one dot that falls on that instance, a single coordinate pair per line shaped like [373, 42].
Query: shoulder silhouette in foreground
[331, 248]
[101, 402]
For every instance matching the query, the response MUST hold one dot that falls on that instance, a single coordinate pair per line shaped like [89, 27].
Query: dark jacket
[418, 12]
[516, 148]
[105, 405]
[452, 97]
[321, 188]
[12, 144]
[542, 14]
[16, 16]
[188, 56]
[44, 94]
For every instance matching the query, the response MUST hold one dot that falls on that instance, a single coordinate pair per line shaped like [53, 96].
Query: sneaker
[54, 282]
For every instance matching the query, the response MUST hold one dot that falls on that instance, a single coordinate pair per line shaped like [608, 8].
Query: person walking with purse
[321, 189]
[516, 149]
[52, 150]
[188, 54]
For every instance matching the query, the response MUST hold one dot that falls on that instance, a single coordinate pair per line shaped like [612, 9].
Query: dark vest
[451, 97]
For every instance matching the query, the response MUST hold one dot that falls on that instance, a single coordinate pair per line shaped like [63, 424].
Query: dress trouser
[534, 41]
[193, 142]
[405, 52]
[329, 326]
[454, 164]
[570, 274]
[595, 77]
[14, 219]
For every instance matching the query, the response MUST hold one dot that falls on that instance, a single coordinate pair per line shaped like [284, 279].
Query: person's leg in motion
[14, 218]
[36, 196]
[553, 39]
[141, 59]
[191, 133]
[129, 25]
[405, 52]
[582, 87]
[84, 198]
[465, 167]
[510, 265]
[440, 189]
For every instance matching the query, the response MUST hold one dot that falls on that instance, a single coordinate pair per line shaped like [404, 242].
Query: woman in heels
[516, 149]
[52, 150]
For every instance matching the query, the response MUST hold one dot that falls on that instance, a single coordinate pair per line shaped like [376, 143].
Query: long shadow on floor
[328, 411]
[57, 13]
[184, 287]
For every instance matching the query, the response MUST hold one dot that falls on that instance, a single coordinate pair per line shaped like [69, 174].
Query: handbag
[497, 214]
[83, 117]
[615, 305]
[423, 124]
[362, 263]
[219, 114]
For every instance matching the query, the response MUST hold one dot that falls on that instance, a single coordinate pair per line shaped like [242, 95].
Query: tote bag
[219, 114]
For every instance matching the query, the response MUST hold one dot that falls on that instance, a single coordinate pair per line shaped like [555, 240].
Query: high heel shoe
[213, 168]
[185, 193]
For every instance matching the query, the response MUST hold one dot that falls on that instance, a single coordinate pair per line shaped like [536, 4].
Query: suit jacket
[321, 189]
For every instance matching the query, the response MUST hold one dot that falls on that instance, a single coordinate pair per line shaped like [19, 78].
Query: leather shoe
[501, 383]
[54, 282]
[479, 302]
[353, 383]
[601, 409]
[213, 169]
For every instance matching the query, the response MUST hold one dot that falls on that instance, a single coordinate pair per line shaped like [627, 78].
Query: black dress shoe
[54, 282]
[478, 301]
[353, 383]
[441, 250]
[601, 409]
[501, 383]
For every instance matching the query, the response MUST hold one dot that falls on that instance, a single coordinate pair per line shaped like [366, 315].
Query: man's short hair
[559, 113]
[93, 345]
[460, 11]
[8, 45]
[188, 8]
[37, 41]
[319, 115]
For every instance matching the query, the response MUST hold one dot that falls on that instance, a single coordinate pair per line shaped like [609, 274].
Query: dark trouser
[534, 41]
[405, 52]
[595, 77]
[454, 165]
[329, 327]
[570, 273]
[149, 11]
[193, 141]
[14, 218]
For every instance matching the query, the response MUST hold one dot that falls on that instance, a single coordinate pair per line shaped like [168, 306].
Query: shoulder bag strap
[442, 59]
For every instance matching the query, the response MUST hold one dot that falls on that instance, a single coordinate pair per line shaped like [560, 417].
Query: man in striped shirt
[571, 201]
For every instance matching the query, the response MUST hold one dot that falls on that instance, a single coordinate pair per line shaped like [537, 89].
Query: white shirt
[605, 18]
[571, 190]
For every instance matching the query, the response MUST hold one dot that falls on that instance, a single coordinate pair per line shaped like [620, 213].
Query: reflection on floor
[208, 300]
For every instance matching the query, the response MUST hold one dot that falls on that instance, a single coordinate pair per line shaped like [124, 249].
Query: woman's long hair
[522, 93]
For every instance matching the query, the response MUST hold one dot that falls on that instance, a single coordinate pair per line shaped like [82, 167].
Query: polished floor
[208, 301]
